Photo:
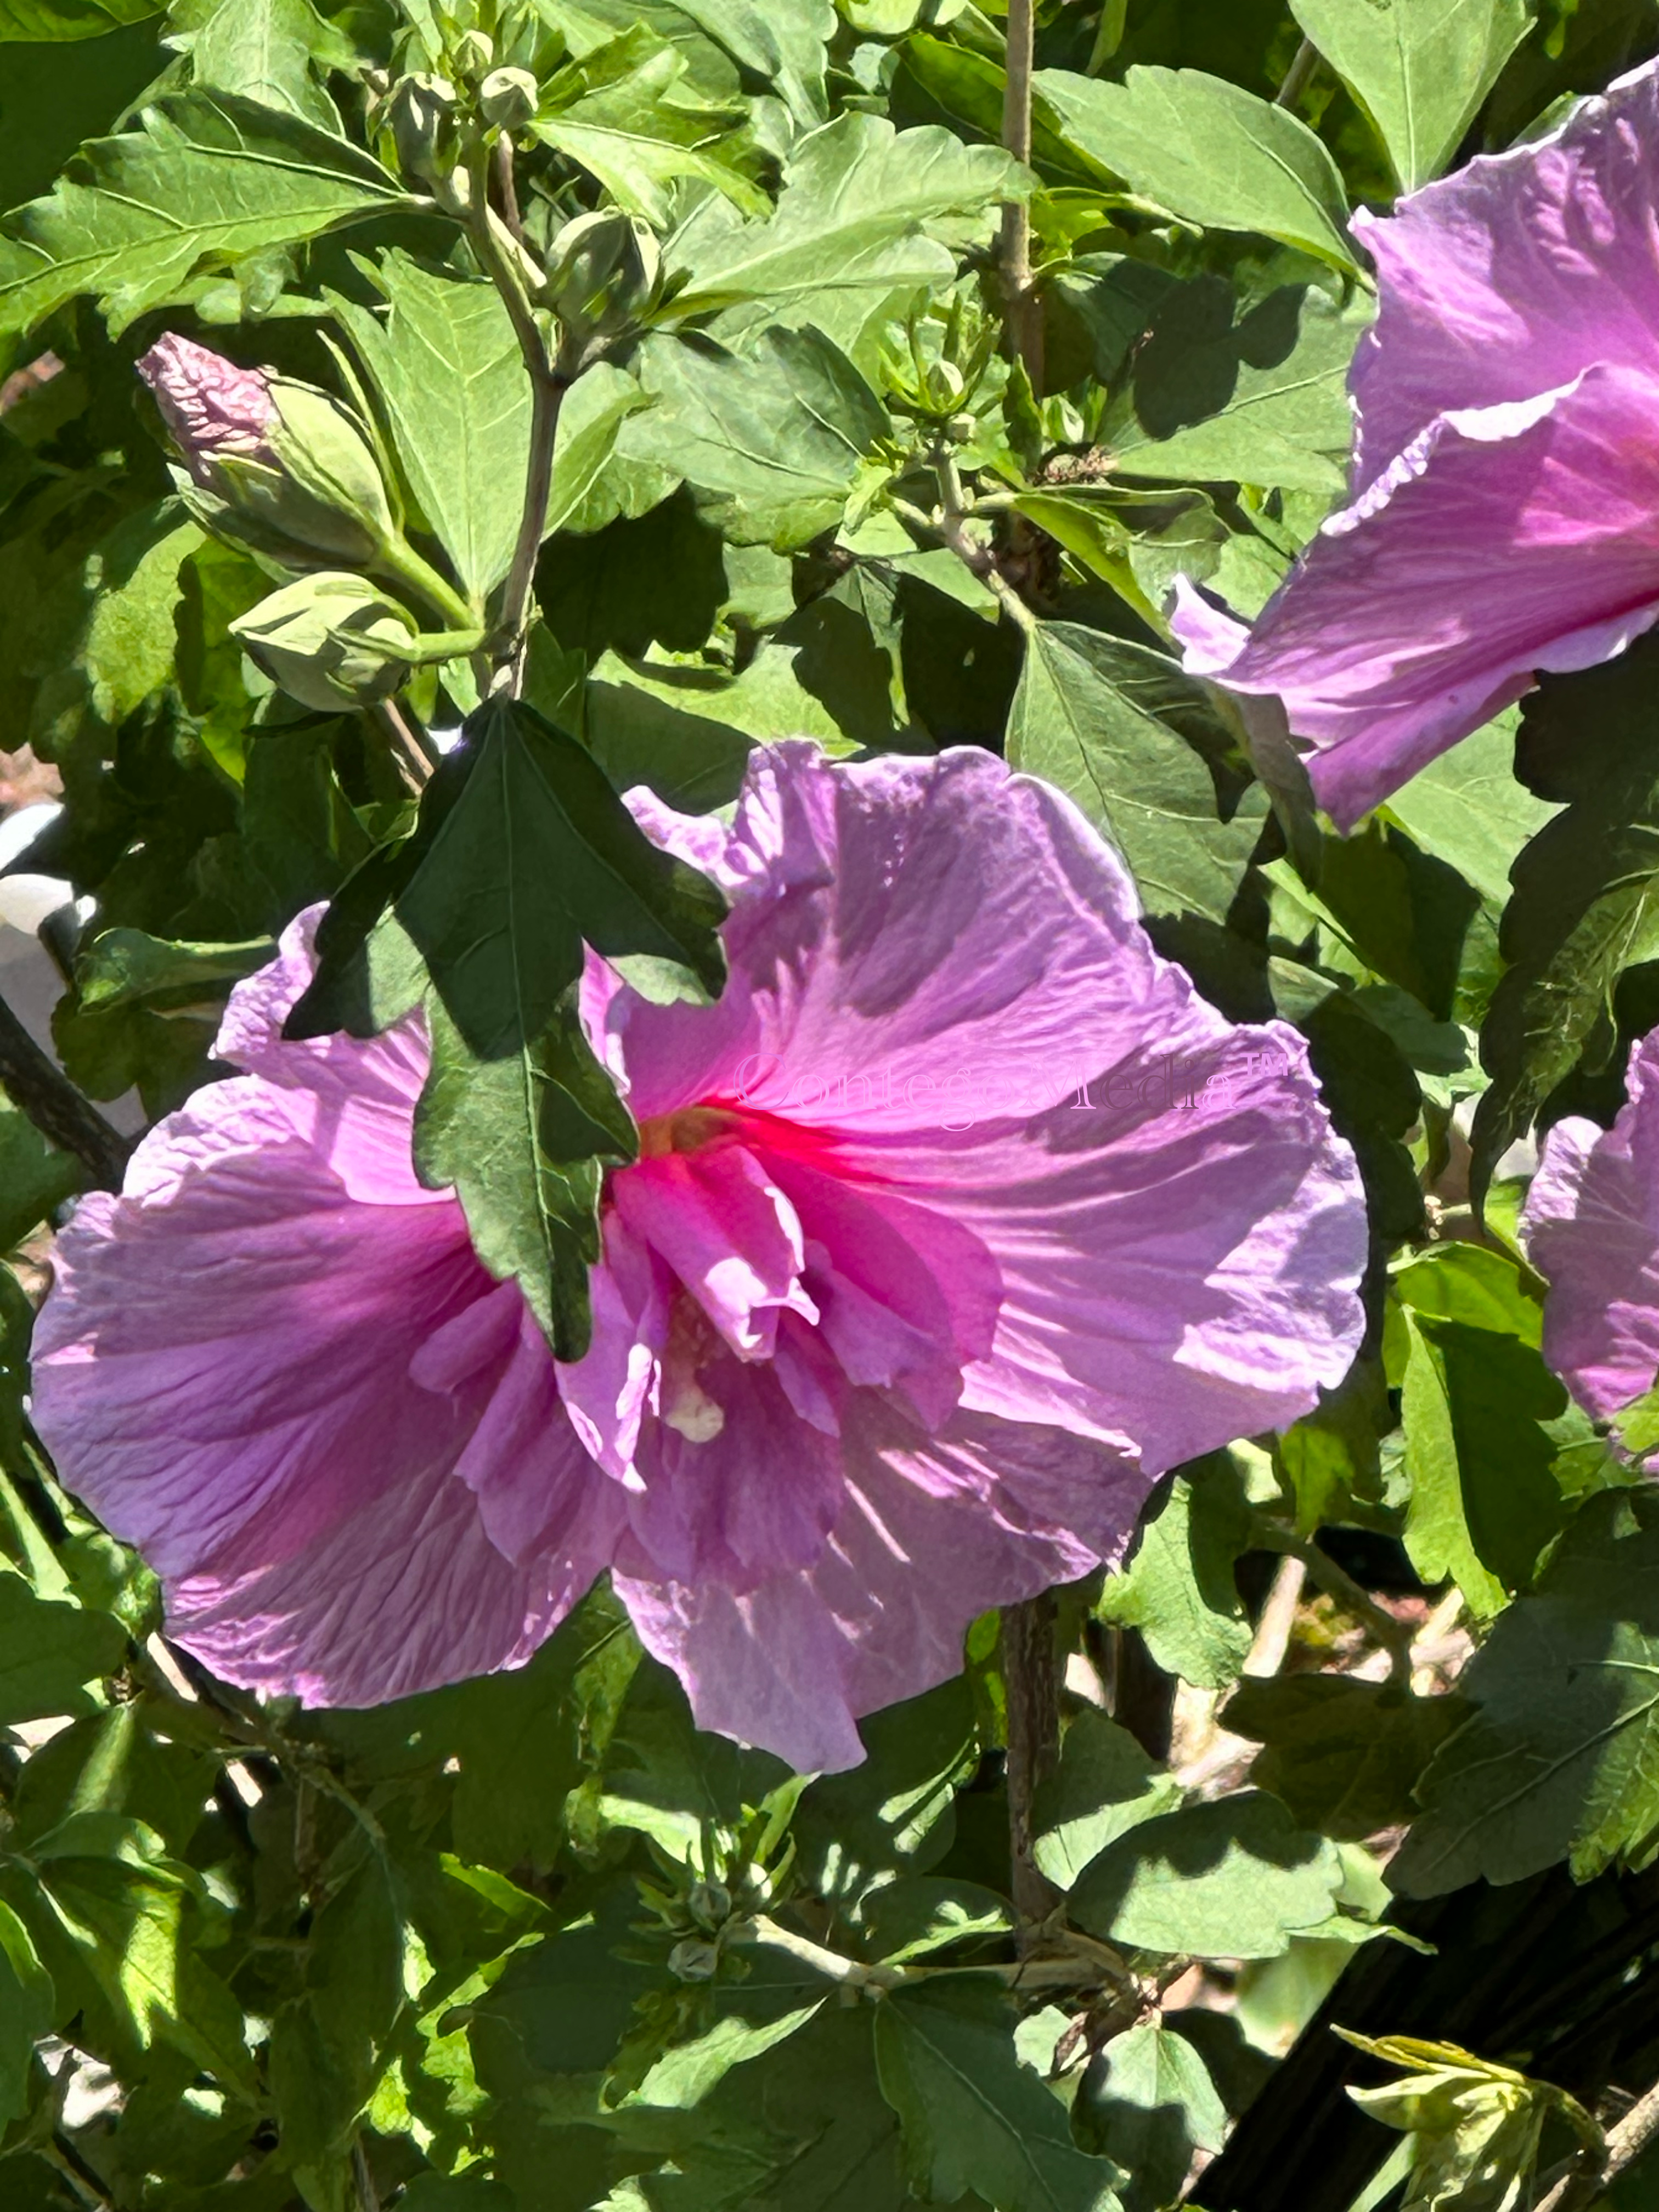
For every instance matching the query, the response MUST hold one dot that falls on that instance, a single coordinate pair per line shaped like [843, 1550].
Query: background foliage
[532, 1944]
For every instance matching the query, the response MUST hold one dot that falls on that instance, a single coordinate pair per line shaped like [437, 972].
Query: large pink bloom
[1504, 509]
[1591, 1229]
[897, 1321]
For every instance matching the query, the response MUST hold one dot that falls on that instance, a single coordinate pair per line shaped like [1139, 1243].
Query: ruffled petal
[336, 1438]
[1503, 541]
[1509, 276]
[1591, 1228]
[933, 1530]
[1181, 1260]
[906, 936]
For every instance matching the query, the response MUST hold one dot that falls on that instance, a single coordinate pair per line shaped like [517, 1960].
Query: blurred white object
[26, 901]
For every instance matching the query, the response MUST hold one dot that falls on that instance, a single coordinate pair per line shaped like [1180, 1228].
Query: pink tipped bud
[210, 406]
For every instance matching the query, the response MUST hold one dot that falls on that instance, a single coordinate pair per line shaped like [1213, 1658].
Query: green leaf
[1178, 1586]
[1585, 904]
[773, 440]
[897, 1812]
[130, 967]
[1140, 748]
[524, 1138]
[1147, 2102]
[206, 179]
[1233, 1879]
[1344, 1756]
[863, 207]
[1263, 400]
[523, 851]
[591, 486]
[1105, 1786]
[974, 2117]
[1418, 68]
[534, 855]
[27, 2004]
[35, 1177]
[1209, 152]
[267, 50]
[327, 2047]
[1561, 1758]
[1474, 1397]
[664, 1778]
[447, 370]
[133, 1914]
[27, 20]
[521, 1738]
[631, 121]
[48, 1650]
[1469, 809]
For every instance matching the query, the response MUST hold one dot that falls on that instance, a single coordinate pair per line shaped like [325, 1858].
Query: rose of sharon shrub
[1504, 508]
[958, 1219]
[1591, 1228]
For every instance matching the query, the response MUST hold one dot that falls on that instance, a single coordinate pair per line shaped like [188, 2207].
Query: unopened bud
[420, 113]
[273, 465]
[331, 641]
[693, 1961]
[709, 1904]
[508, 98]
[602, 271]
[474, 53]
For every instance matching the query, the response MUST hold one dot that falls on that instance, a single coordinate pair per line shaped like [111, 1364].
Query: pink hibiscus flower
[1591, 1228]
[958, 1219]
[1504, 508]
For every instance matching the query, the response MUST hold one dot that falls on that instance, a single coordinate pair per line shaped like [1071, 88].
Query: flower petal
[905, 935]
[1503, 541]
[1591, 1228]
[1506, 278]
[915, 1556]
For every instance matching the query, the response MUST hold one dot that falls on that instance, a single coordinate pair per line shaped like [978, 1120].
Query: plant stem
[1031, 1679]
[367, 2197]
[39, 1088]
[415, 758]
[1022, 307]
[548, 385]
[952, 528]
[401, 561]
[1635, 2133]
[1394, 1635]
[1303, 65]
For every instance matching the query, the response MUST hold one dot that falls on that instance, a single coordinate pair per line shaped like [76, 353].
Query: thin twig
[1394, 1635]
[368, 2196]
[953, 527]
[1304, 63]
[1273, 1634]
[39, 1088]
[415, 758]
[548, 385]
[1022, 307]
[508, 188]
[1031, 1681]
[1636, 2132]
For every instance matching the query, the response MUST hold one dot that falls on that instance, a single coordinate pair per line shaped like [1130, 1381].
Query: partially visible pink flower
[1504, 515]
[210, 406]
[1591, 1229]
[959, 1218]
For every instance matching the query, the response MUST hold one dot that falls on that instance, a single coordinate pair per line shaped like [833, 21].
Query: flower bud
[331, 640]
[602, 271]
[273, 465]
[508, 98]
[474, 53]
[420, 113]
[693, 1961]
